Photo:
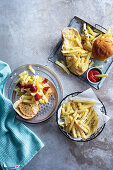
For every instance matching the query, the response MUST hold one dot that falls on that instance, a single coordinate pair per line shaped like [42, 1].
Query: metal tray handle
[97, 25]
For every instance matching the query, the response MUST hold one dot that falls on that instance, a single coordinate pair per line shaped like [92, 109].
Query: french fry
[91, 63]
[71, 118]
[84, 125]
[31, 69]
[83, 135]
[85, 114]
[71, 125]
[62, 66]
[20, 93]
[85, 31]
[27, 101]
[28, 97]
[99, 36]
[81, 111]
[67, 129]
[91, 31]
[90, 117]
[74, 106]
[76, 116]
[74, 132]
[63, 110]
[77, 131]
[80, 126]
[61, 123]
[101, 66]
[68, 107]
[107, 32]
[88, 46]
[79, 43]
[101, 75]
[83, 101]
[17, 89]
[74, 51]
[63, 105]
[85, 106]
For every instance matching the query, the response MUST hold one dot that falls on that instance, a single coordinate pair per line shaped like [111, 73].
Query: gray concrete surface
[29, 30]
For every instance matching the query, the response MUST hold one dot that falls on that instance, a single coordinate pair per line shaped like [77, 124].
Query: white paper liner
[88, 95]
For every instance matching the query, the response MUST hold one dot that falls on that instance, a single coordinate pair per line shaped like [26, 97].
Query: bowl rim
[98, 70]
[70, 137]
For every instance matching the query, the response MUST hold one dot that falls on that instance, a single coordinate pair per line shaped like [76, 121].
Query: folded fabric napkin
[18, 144]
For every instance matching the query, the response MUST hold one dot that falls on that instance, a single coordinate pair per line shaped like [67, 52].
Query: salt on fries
[79, 118]
[78, 48]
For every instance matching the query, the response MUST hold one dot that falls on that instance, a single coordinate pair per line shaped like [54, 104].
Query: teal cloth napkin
[18, 144]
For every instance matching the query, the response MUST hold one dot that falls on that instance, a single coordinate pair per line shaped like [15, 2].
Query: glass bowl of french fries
[16, 87]
[79, 118]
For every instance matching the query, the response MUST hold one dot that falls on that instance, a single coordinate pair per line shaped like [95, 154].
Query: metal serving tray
[57, 55]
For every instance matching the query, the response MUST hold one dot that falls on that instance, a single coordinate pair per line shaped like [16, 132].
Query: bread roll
[102, 48]
[68, 37]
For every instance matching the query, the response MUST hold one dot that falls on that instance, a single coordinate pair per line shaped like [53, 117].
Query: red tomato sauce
[92, 77]
[45, 81]
[37, 97]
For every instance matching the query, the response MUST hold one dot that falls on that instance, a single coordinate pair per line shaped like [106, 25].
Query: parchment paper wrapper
[88, 95]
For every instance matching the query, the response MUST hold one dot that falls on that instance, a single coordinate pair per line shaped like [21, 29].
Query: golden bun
[102, 48]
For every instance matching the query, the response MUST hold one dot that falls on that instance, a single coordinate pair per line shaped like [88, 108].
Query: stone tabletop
[29, 30]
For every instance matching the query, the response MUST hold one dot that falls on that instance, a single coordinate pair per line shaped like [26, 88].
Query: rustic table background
[29, 30]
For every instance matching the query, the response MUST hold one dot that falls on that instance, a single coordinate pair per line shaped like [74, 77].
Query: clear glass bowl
[45, 110]
[103, 110]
